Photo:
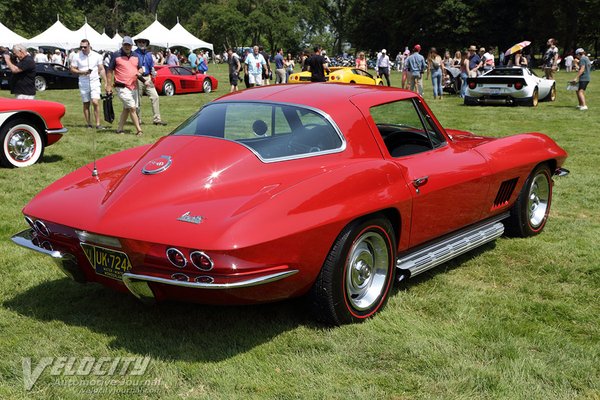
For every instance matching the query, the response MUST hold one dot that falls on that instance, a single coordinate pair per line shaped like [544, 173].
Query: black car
[47, 76]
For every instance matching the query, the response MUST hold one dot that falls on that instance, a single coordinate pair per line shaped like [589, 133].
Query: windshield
[274, 132]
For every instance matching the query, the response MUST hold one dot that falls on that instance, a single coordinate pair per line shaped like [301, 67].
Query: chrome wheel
[538, 200]
[367, 270]
[207, 86]
[40, 83]
[169, 88]
[22, 144]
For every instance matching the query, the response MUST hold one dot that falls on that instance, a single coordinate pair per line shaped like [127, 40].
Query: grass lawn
[516, 319]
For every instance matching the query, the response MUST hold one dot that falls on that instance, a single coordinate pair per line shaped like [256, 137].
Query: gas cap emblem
[157, 165]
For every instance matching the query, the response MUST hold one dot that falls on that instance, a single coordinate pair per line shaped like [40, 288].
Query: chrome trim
[56, 131]
[207, 279]
[212, 264]
[178, 275]
[66, 262]
[180, 253]
[439, 252]
[287, 158]
[168, 162]
[41, 228]
[29, 222]
[138, 283]
[560, 172]
[88, 237]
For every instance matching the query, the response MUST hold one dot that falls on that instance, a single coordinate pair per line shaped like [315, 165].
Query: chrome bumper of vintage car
[560, 172]
[56, 131]
[66, 262]
[139, 285]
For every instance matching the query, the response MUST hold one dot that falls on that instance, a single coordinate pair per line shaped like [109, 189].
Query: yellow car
[340, 74]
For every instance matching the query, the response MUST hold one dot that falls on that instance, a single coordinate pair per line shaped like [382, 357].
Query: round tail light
[201, 260]
[176, 257]
[519, 85]
[472, 85]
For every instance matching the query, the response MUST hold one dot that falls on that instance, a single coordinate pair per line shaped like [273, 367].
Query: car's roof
[323, 96]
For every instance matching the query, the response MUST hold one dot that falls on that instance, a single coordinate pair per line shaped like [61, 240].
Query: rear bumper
[496, 100]
[145, 287]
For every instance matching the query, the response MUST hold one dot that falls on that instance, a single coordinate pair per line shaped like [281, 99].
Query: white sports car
[509, 85]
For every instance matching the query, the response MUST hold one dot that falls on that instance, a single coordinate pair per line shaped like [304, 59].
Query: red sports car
[26, 128]
[170, 80]
[327, 190]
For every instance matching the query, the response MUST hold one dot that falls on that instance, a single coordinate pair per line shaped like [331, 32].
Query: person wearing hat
[416, 65]
[474, 61]
[383, 66]
[583, 77]
[145, 84]
[125, 67]
[88, 66]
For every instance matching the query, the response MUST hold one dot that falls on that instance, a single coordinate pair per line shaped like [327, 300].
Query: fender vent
[504, 193]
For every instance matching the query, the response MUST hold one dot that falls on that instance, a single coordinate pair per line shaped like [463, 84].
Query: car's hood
[211, 181]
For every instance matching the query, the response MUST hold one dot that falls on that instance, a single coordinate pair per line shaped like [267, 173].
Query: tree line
[368, 25]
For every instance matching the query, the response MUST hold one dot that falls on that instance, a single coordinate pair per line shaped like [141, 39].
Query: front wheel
[529, 214]
[40, 83]
[22, 144]
[207, 86]
[357, 275]
[169, 88]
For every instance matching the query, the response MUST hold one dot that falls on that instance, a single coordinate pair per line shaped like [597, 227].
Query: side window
[405, 128]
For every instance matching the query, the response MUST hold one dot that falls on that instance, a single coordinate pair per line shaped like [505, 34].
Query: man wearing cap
[383, 65]
[145, 85]
[87, 64]
[416, 65]
[582, 78]
[125, 66]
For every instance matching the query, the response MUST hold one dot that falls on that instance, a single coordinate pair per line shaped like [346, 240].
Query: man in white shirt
[56, 57]
[383, 65]
[88, 65]
[40, 57]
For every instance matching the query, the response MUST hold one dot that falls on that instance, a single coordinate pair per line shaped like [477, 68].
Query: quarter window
[406, 128]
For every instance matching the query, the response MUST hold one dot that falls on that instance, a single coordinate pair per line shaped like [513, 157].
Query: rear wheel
[22, 144]
[169, 88]
[357, 275]
[207, 86]
[552, 95]
[40, 83]
[530, 212]
[535, 97]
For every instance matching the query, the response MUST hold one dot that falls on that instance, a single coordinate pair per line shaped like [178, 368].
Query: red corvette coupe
[325, 190]
[26, 128]
[170, 80]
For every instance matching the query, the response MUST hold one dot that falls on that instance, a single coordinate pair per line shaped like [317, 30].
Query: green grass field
[516, 319]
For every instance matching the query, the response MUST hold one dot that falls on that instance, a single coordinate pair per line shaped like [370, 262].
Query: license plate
[495, 91]
[107, 262]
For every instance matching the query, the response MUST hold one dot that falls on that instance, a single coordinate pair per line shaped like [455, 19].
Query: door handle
[420, 181]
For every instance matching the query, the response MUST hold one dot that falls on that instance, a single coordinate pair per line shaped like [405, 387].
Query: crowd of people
[129, 72]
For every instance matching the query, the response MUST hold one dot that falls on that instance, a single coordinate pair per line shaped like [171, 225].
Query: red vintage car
[333, 191]
[171, 80]
[26, 128]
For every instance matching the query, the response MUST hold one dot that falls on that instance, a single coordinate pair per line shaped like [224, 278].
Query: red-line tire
[529, 214]
[358, 274]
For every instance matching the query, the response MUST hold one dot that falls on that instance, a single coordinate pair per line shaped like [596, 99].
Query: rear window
[505, 72]
[274, 132]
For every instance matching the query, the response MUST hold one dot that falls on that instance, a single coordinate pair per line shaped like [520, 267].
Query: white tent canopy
[118, 39]
[156, 33]
[97, 41]
[179, 36]
[8, 38]
[57, 35]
